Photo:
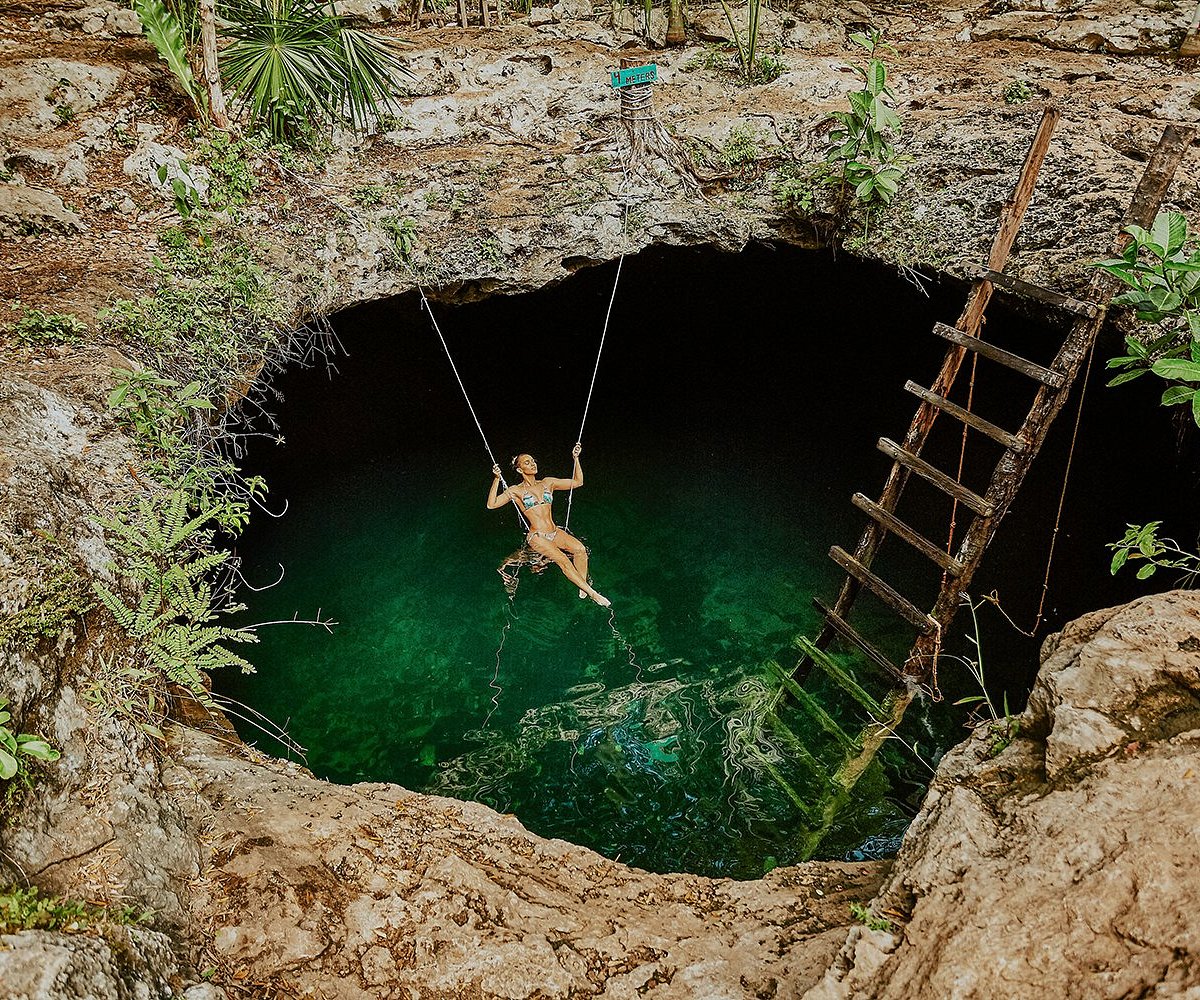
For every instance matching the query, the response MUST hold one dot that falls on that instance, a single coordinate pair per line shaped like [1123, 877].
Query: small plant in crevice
[403, 233]
[862, 156]
[862, 914]
[1018, 92]
[17, 751]
[1142, 543]
[26, 910]
[1001, 727]
[57, 597]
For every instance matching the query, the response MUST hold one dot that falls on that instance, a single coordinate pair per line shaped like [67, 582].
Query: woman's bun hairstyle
[514, 460]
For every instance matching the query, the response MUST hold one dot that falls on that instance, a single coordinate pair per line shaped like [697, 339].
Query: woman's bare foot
[582, 594]
[600, 599]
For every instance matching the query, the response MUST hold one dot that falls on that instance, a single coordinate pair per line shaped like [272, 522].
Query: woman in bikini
[533, 497]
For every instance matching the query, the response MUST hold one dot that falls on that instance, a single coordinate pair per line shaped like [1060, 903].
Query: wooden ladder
[1053, 384]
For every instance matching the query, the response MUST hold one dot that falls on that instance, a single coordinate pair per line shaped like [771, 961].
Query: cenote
[737, 406]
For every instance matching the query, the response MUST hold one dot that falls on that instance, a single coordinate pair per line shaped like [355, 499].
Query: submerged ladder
[1052, 384]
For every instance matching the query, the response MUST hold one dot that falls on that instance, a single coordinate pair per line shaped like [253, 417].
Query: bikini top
[529, 500]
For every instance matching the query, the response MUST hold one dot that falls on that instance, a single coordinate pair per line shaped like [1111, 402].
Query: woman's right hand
[496, 471]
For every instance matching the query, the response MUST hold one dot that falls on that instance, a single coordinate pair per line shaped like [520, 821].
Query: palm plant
[295, 64]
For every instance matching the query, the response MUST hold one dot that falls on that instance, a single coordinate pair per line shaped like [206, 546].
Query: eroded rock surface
[373, 891]
[1065, 866]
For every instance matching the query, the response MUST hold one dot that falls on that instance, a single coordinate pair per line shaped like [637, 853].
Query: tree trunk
[676, 32]
[209, 69]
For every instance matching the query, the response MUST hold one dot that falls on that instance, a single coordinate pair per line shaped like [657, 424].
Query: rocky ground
[504, 159]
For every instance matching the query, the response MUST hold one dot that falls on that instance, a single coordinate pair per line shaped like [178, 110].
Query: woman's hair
[515, 460]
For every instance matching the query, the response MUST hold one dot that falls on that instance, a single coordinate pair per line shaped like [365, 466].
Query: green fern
[166, 558]
[166, 34]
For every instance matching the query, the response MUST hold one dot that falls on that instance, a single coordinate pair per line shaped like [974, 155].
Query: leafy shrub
[1142, 541]
[25, 909]
[1162, 271]
[36, 328]
[861, 151]
[167, 606]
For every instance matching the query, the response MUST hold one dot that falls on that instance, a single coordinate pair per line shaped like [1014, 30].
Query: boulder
[1065, 866]
[28, 210]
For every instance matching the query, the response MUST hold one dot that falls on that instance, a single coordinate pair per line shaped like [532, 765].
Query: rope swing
[525, 556]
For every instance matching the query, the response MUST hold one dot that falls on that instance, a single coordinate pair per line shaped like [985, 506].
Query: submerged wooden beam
[884, 591]
[853, 636]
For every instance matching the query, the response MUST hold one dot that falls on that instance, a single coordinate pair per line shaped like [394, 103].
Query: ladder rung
[1044, 375]
[893, 598]
[809, 704]
[1010, 441]
[937, 477]
[809, 811]
[839, 676]
[1031, 291]
[902, 530]
[848, 631]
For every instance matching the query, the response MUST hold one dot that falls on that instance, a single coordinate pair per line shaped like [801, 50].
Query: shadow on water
[737, 408]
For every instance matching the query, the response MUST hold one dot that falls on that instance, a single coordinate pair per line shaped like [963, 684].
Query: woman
[533, 497]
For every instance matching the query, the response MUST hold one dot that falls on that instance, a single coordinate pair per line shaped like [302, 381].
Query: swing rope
[600, 350]
[454, 368]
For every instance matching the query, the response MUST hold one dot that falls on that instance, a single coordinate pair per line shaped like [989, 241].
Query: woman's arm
[576, 479]
[495, 500]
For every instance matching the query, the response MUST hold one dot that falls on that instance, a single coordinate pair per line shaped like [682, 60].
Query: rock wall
[1065, 865]
[504, 156]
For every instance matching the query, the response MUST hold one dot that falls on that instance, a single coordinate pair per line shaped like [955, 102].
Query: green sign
[635, 74]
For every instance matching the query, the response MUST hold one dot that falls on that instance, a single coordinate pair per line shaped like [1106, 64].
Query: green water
[726, 437]
[609, 728]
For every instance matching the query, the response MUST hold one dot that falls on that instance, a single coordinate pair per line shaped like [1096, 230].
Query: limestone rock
[369, 889]
[1064, 867]
[373, 11]
[28, 210]
[1139, 28]
[145, 163]
[33, 90]
[125, 964]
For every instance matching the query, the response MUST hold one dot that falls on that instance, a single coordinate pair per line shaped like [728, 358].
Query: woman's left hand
[576, 450]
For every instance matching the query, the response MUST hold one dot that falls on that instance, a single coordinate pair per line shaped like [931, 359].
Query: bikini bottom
[548, 535]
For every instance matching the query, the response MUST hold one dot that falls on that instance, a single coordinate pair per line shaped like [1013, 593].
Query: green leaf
[8, 765]
[1119, 560]
[39, 749]
[1160, 233]
[1146, 571]
[166, 34]
[1177, 229]
[1126, 377]
[1196, 408]
[1177, 368]
[876, 76]
[1176, 394]
[969, 701]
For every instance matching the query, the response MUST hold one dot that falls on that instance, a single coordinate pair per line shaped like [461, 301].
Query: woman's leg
[577, 551]
[547, 548]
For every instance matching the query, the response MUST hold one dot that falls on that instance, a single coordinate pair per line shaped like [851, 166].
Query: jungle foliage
[1161, 269]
